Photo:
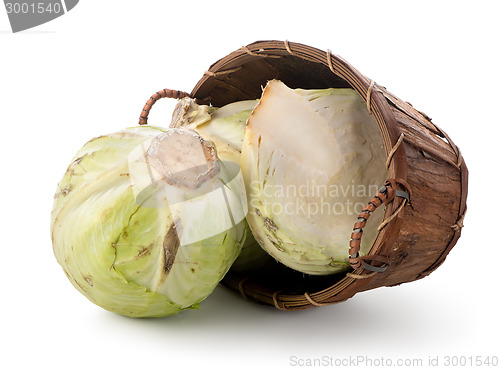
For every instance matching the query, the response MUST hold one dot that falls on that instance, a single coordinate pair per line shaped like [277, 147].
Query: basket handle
[386, 194]
[165, 93]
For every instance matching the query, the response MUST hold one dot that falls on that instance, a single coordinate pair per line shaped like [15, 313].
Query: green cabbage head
[147, 221]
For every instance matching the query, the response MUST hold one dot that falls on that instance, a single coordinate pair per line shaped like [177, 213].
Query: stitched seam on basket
[369, 96]
[393, 216]
[390, 156]
[313, 302]
[344, 73]
[460, 222]
[257, 54]
[329, 61]
[275, 301]
[221, 73]
[287, 47]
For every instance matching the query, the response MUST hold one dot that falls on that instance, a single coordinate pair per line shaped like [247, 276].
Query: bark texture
[418, 240]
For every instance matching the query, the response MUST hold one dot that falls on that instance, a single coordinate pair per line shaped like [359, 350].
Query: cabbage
[146, 222]
[311, 159]
[225, 128]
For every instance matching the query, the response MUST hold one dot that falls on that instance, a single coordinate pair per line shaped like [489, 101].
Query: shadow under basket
[417, 233]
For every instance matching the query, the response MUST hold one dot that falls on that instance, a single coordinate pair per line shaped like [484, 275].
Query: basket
[425, 197]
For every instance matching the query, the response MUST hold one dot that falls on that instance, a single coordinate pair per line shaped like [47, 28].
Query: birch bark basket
[416, 235]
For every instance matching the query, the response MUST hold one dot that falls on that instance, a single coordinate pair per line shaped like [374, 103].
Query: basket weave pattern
[415, 237]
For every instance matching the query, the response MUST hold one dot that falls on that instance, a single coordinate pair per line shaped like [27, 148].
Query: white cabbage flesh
[311, 160]
[133, 230]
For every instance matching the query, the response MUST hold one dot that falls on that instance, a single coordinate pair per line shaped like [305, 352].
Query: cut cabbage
[311, 160]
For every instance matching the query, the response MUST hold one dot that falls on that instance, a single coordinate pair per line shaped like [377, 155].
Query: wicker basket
[417, 233]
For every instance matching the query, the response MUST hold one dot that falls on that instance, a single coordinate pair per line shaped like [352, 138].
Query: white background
[89, 73]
